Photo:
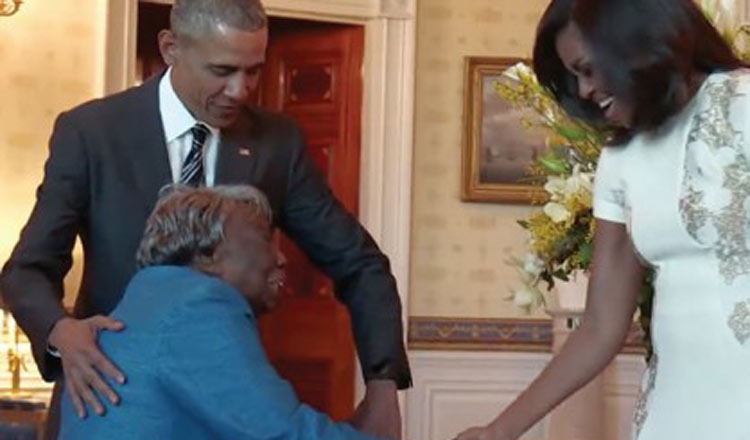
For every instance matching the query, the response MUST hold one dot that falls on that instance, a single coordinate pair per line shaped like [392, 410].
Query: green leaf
[561, 274]
[547, 278]
[553, 165]
[575, 134]
[584, 253]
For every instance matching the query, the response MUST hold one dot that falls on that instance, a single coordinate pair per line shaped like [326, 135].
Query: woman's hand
[489, 432]
[616, 278]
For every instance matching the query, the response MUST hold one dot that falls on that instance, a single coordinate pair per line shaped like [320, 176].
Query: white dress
[683, 193]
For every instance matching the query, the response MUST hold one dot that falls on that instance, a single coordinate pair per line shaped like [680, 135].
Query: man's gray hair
[197, 18]
[187, 223]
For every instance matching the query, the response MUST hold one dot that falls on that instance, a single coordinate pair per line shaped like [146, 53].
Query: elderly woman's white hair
[187, 223]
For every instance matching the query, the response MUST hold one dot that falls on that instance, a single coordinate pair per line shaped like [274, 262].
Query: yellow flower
[545, 234]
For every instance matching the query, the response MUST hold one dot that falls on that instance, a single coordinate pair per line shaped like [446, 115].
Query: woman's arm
[616, 277]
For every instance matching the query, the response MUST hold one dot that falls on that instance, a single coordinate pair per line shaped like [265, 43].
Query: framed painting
[497, 149]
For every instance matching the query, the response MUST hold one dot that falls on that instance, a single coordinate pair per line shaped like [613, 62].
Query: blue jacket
[195, 369]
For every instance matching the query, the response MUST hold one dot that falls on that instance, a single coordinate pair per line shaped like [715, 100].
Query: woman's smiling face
[577, 57]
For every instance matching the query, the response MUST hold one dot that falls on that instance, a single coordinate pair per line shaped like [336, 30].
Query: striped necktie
[192, 169]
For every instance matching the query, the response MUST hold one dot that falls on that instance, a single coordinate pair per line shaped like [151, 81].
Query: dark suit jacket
[189, 376]
[107, 161]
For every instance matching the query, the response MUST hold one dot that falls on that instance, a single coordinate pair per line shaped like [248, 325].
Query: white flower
[578, 182]
[557, 212]
[556, 187]
[533, 265]
[516, 71]
[524, 298]
[549, 115]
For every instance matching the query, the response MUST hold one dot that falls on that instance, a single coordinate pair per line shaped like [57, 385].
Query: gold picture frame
[497, 149]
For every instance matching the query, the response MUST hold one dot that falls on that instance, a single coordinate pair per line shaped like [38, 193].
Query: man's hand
[378, 413]
[83, 363]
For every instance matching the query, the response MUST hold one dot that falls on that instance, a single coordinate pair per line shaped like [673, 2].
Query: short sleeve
[609, 187]
[740, 109]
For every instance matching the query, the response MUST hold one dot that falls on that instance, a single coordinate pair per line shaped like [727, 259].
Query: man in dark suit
[109, 157]
[209, 267]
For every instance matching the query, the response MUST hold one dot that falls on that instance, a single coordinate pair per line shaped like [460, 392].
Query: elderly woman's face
[248, 259]
[578, 59]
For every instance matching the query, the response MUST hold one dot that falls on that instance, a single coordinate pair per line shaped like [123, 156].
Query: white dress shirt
[177, 122]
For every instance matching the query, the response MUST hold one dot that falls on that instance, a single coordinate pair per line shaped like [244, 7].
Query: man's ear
[168, 46]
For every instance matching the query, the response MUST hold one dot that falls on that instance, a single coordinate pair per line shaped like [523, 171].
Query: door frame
[387, 106]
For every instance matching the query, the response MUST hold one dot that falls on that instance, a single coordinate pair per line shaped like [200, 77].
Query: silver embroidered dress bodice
[683, 192]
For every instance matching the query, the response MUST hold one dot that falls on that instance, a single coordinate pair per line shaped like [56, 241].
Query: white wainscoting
[454, 390]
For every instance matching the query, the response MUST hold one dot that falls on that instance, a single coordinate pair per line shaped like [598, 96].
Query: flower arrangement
[561, 233]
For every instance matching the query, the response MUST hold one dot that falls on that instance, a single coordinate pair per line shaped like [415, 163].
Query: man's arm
[32, 279]
[212, 364]
[336, 242]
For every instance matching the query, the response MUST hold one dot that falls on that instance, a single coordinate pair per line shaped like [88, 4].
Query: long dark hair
[648, 52]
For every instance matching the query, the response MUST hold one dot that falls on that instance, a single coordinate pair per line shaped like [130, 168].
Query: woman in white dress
[672, 193]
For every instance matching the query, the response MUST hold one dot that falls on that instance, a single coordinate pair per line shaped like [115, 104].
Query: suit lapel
[151, 159]
[236, 160]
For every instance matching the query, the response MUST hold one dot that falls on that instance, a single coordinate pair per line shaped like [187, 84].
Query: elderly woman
[196, 369]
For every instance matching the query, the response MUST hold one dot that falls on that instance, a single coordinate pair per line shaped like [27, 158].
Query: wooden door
[152, 18]
[313, 73]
